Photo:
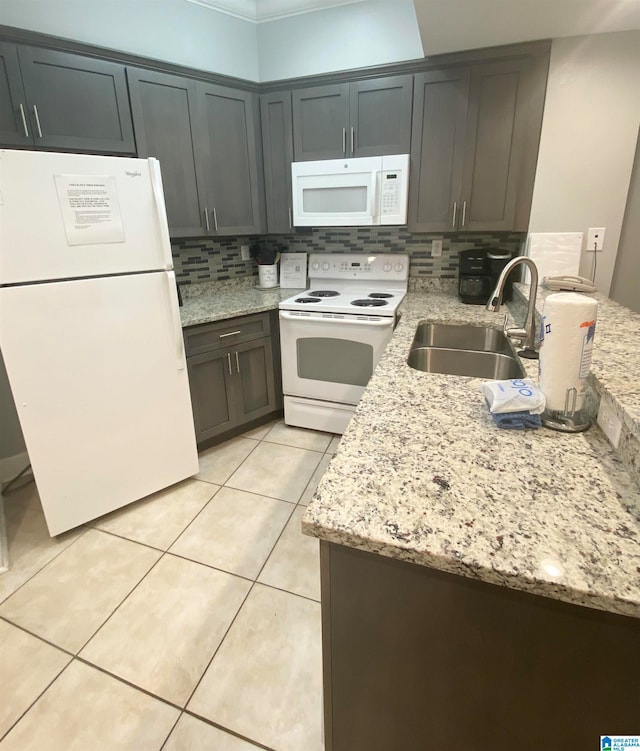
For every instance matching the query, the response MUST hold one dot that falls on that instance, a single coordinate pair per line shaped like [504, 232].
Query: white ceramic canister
[268, 275]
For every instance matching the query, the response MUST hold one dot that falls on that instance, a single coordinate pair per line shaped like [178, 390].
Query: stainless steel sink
[462, 336]
[465, 362]
[458, 349]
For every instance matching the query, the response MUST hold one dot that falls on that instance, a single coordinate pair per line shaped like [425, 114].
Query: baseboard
[11, 465]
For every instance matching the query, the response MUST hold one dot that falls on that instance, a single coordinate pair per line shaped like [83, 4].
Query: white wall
[625, 287]
[170, 30]
[351, 36]
[588, 141]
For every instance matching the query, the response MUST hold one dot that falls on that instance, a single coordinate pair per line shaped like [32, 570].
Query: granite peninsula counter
[423, 475]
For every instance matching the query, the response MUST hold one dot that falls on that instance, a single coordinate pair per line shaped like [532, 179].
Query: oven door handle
[351, 320]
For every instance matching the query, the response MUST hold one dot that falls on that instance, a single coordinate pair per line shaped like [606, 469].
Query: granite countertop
[423, 475]
[216, 301]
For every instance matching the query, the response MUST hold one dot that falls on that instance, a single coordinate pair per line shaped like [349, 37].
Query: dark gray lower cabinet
[58, 100]
[233, 374]
[420, 659]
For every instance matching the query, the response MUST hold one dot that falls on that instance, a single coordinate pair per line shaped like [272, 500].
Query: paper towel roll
[568, 327]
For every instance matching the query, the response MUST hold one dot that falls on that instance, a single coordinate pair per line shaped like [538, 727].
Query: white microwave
[351, 192]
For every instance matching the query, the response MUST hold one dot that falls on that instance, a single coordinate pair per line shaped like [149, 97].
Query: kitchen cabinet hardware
[455, 211]
[215, 219]
[353, 140]
[206, 219]
[229, 362]
[290, 218]
[237, 363]
[74, 103]
[35, 112]
[344, 141]
[464, 212]
[24, 121]
[230, 333]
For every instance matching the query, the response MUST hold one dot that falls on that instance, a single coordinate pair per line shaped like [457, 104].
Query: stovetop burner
[369, 303]
[380, 295]
[324, 293]
[308, 299]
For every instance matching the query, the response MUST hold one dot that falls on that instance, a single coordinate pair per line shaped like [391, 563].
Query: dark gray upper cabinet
[66, 102]
[468, 146]
[225, 141]
[364, 118]
[14, 127]
[494, 147]
[163, 108]
[277, 147]
[437, 149]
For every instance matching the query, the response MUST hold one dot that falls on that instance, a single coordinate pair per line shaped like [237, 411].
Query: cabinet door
[76, 103]
[210, 381]
[14, 128]
[496, 127]
[321, 122]
[225, 142]
[254, 391]
[437, 149]
[380, 116]
[163, 108]
[277, 147]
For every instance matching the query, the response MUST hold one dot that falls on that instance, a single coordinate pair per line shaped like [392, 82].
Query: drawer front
[211, 336]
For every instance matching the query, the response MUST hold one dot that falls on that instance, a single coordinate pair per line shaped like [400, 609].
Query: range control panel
[369, 267]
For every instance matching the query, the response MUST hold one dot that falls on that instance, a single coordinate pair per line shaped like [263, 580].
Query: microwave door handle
[388, 321]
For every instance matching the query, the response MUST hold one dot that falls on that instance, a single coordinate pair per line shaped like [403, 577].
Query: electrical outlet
[595, 237]
[244, 253]
[436, 248]
[609, 421]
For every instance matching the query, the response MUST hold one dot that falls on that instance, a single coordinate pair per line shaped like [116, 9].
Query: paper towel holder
[568, 420]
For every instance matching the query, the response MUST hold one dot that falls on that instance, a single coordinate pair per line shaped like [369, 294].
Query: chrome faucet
[527, 334]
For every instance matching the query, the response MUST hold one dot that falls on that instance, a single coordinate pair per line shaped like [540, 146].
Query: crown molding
[262, 11]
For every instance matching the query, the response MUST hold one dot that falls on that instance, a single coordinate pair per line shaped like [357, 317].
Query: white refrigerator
[90, 331]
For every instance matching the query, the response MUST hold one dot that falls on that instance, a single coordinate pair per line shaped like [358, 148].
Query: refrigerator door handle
[161, 211]
[175, 319]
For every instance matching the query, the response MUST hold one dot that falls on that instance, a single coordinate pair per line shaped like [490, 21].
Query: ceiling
[452, 25]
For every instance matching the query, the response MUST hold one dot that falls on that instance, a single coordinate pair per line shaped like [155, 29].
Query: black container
[474, 278]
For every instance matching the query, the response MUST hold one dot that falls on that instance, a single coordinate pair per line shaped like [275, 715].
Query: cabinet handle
[231, 333]
[464, 212]
[455, 211]
[24, 121]
[206, 219]
[344, 141]
[35, 112]
[237, 363]
[290, 218]
[215, 219]
[229, 362]
[353, 140]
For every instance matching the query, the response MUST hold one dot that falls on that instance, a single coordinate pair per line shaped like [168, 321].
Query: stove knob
[399, 267]
[387, 267]
[315, 266]
[325, 266]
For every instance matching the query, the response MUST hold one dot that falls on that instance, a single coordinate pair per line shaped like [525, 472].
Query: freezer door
[66, 216]
[97, 371]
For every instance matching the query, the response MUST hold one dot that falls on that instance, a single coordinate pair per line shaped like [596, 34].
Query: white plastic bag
[515, 395]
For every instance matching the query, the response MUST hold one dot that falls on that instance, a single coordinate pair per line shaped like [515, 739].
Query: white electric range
[333, 334]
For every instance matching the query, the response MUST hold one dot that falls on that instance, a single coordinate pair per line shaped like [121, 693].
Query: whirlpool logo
[135, 173]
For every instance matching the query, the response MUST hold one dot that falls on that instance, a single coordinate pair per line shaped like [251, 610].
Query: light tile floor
[188, 621]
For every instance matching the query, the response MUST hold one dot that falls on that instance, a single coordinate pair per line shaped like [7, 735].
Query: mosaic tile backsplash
[205, 259]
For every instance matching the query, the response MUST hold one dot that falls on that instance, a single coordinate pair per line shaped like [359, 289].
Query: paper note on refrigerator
[554, 253]
[90, 209]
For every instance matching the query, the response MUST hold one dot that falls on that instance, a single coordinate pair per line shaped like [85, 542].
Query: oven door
[328, 357]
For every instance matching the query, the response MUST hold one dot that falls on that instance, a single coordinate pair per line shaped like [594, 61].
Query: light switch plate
[436, 248]
[609, 421]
